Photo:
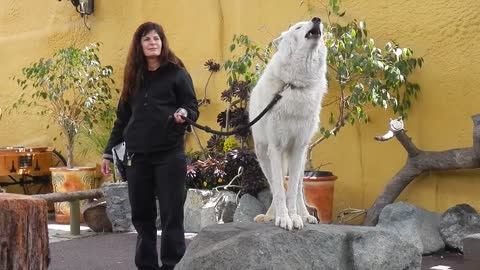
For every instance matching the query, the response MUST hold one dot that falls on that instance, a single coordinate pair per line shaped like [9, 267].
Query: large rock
[265, 197]
[263, 247]
[457, 223]
[226, 206]
[248, 207]
[199, 209]
[118, 206]
[95, 215]
[413, 224]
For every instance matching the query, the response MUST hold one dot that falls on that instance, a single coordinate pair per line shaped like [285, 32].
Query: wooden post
[23, 232]
[74, 217]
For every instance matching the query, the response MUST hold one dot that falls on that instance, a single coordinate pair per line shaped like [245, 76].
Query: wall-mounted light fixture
[84, 7]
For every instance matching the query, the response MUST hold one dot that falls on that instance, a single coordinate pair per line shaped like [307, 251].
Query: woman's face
[151, 44]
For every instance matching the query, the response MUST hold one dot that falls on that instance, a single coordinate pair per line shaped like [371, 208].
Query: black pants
[161, 175]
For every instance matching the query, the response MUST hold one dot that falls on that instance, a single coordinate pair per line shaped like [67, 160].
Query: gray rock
[413, 224]
[377, 250]
[252, 246]
[225, 208]
[118, 206]
[265, 196]
[471, 248]
[457, 223]
[247, 209]
[199, 209]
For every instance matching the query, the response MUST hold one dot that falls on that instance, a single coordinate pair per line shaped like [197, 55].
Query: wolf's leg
[302, 208]
[300, 200]
[282, 219]
[294, 194]
[264, 161]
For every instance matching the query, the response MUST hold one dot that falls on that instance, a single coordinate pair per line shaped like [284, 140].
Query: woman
[155, 87]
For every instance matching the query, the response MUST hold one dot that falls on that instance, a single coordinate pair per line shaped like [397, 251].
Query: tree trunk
[23, 233]
[419, 162]
[70, 151]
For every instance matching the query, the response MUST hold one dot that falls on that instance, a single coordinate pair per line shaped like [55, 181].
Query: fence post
[74, 217]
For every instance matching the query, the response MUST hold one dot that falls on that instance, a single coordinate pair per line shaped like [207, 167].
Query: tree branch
[407, 143]
[418, 162]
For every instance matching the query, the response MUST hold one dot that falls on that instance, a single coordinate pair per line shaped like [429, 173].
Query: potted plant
[74, 90]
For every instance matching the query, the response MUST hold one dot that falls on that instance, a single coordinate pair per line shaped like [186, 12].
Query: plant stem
[204, 100]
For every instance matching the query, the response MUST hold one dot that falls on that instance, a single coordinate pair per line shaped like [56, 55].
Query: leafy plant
[365, 75]
[72, 87]
[206, 173]
[252, 179]
[243, 72]
[221, 167]
[224, 156]
[96, 139]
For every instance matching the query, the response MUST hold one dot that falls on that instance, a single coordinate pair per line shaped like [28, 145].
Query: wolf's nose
[316, 20]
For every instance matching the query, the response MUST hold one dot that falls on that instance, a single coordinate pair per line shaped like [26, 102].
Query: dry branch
[420, 161]
[70, 196]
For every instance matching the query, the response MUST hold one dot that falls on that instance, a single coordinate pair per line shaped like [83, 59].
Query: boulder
[95, 215]
[199, 209]
[413, 224]
[457, 223]
[248, 207]
[118, 206]
[226, 206]
[239, 246]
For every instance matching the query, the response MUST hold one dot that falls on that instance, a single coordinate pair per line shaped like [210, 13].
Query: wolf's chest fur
[299, 103]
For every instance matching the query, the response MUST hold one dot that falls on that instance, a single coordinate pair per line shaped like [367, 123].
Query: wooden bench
[73, 199]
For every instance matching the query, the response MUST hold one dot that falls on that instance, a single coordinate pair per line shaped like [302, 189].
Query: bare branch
[418, 162]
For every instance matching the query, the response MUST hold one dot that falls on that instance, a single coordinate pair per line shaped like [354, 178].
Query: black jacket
[143, 120]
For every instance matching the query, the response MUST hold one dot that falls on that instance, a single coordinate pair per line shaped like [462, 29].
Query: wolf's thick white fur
[282, 136]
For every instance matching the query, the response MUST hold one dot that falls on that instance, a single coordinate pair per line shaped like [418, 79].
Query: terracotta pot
[318, 192]
[71, 179]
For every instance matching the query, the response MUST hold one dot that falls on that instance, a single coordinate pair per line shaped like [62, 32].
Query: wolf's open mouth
[314, 32]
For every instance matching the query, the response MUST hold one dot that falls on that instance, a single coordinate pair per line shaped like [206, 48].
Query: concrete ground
[92, 251]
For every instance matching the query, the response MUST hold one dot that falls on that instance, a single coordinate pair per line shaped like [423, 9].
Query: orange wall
[443, 32]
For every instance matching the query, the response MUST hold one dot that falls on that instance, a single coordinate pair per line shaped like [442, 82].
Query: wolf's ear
[276, 42]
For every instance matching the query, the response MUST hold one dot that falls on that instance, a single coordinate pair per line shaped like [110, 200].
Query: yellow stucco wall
[443, 32]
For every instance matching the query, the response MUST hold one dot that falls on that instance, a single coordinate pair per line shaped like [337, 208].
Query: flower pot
[318, 192]
[71, 179]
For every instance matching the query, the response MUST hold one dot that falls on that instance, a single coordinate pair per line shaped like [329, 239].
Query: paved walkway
[92, 251]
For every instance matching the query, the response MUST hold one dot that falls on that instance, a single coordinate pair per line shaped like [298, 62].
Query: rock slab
[239, 246]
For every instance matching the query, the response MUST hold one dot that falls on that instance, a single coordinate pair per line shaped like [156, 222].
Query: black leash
[240, 128]
[275, 99]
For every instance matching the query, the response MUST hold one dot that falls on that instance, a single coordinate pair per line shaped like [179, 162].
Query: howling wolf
[297, 70]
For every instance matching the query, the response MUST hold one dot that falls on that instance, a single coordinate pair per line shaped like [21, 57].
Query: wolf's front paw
[284, 222]
[310, 219]
[263, 218]
[297, 221]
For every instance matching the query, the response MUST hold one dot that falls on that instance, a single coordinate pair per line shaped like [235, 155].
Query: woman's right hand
[106, 167]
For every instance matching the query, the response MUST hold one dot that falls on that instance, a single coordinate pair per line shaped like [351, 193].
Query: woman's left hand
[178, 116]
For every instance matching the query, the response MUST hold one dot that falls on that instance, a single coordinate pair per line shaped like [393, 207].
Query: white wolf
[282, 136]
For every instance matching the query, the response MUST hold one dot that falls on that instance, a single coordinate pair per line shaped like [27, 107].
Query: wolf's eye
[298, 27]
